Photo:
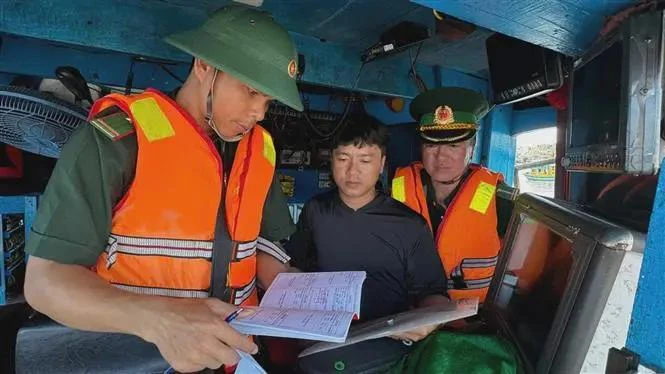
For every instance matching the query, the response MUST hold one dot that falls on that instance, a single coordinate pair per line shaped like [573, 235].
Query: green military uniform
[450, 115]
[91, 176]
[94, 172]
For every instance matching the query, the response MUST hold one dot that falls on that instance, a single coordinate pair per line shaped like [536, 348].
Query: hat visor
[231, 59]
[447, 136]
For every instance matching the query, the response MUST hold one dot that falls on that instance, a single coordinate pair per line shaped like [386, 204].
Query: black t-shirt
[384, 238]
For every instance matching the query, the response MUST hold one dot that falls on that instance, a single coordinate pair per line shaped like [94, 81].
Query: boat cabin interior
[583, 80]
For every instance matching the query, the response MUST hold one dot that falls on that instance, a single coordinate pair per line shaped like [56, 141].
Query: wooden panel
[566, 26]
[137, 28]
[468, 55]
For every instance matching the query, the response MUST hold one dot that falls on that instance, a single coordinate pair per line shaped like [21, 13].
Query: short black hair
[361, 131]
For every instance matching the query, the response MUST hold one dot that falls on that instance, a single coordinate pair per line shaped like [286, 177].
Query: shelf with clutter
[16, 214]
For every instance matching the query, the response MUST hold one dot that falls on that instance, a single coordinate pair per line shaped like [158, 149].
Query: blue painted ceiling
[567, 26]
[358, 24]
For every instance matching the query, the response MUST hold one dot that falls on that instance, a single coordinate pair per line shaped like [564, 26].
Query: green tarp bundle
[451, 352]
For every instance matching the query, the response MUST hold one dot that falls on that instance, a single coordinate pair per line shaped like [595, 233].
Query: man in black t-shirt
[354, 227]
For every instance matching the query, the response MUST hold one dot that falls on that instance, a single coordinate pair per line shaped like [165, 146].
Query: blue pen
[233, 315]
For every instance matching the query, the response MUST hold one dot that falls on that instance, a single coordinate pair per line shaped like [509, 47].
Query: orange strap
[407, 188]
[249, 181]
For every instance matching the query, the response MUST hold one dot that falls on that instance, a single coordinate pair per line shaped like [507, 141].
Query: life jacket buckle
[457, 276]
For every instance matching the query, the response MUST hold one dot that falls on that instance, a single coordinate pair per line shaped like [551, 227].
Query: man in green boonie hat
[457, 198]
[134, 197]
[242, 58]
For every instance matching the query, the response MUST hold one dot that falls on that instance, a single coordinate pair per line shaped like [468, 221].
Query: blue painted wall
[646, 335]
[451, 77]
[376, 107]
[6, 78]
[499, 143]
[533, 119]
[403, 147]
[40, 58]
[439, 76]
[325, 103]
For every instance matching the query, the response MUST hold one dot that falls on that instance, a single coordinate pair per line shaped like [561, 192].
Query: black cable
[413, 62]
[99, 91]
[338, 126]
[323, 136]
[420, 84]
[130, 78]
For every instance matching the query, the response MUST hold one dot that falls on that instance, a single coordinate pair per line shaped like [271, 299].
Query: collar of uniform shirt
[431, 194]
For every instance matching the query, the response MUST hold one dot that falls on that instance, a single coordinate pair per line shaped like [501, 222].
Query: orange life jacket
[162, 230]
[539, 256]
[467, 240]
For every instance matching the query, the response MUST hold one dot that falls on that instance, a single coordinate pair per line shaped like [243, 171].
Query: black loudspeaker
[521, 70]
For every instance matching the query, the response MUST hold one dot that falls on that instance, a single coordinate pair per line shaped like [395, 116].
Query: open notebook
[313, 306]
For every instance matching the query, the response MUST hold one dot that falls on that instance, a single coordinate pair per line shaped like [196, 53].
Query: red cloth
[15, 168]
[282, 351]
[558, 99]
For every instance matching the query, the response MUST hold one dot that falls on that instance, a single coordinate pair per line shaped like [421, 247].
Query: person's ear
[201, 70]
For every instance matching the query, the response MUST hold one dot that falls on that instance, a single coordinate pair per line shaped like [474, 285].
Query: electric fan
[37, 122]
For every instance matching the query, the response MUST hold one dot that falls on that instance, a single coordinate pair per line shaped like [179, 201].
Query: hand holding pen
[197, 335]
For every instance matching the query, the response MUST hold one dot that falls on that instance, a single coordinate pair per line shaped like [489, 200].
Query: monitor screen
[533, 285]
[596, 99]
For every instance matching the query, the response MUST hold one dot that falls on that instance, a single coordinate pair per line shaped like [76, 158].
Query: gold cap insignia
[443, 115]
[292, 69]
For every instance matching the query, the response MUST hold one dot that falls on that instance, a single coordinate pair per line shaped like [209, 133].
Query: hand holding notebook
[401, 322]
[314, 306]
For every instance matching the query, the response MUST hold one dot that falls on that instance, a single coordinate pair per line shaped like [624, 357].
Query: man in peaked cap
[456, 198]
[168, 199]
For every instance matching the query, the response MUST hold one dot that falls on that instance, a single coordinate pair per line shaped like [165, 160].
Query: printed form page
[326, 291]
[315, 325]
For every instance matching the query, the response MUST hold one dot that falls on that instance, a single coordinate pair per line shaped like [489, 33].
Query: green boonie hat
[448, 114]
[248, 44]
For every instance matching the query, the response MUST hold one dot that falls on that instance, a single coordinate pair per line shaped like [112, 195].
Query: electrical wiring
[418, 81]
[325, 136]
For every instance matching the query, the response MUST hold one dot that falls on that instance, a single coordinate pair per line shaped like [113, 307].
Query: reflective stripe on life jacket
[162, 230]
[459, 276]
[467, 238]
